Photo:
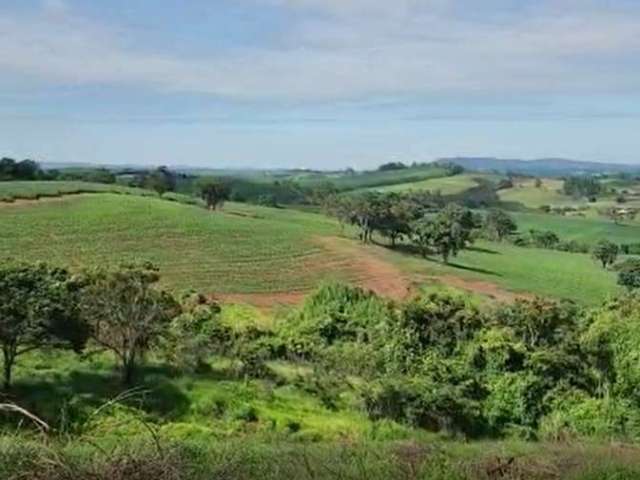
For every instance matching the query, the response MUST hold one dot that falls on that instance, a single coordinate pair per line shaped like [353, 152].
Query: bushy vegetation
[535, 368]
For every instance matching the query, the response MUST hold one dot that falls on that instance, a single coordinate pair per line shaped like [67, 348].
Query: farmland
[265, 377]
[242, 250]
[255, 250]
[446, 185]
[30, 190]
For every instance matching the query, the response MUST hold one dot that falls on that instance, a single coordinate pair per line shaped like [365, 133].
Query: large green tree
[213, 191]
[450, 230]
[126, 312]
[605, 252]
[499, 224]
[37, 309]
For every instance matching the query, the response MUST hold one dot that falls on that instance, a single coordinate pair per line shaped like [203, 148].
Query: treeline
[534, 368]
[11, 169]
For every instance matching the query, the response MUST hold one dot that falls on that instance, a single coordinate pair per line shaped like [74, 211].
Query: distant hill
[543, 167]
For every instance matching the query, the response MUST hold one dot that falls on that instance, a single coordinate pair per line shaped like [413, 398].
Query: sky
[318, 83]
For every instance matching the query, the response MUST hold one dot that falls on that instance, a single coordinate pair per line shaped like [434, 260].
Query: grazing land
[33, 190]
[446, 185]
[242, 249]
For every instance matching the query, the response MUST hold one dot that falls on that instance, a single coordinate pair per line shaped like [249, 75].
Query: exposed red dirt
[364, 266]
[368, 270]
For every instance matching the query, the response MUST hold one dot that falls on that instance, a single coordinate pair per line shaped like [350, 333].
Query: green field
[587, 230]
[523, 270]
[248, 249]
[446, 185]
[525, 194]
[361, 180]
[28, 190]
[241, 249]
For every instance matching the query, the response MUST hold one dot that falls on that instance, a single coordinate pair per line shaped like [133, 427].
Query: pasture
[446, 185]
[363, 180]
[242, 249]
[587, 230]
[493, 269]
[33, 190]
[253, 251]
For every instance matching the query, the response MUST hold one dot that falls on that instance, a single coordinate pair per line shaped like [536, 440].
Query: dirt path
[365, 266]
[369, 271]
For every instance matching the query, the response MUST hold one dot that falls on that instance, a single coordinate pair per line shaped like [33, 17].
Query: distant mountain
[543, 166]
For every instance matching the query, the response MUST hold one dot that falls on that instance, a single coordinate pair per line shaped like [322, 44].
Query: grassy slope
[588, 230]
[527, 195]
[248, 249]
[243, 249]
[447, 185]
[33, 190]
[543, 272]
[376, 178]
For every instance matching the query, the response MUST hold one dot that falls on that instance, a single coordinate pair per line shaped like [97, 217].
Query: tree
[37, 309]
[126, 313]
[537, 182]
[161, 180]
[584, 186]
[629, 273]
[605, 252]
[421, 233]
[196, 333]
[498, 224]
[393, 216]
[449, 231]
[213, 192]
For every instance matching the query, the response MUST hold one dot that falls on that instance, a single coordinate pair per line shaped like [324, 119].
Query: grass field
[526, 194]
[515, 269]
[252, 250]
[29, 190]
[361, 180]
[587, 230]
[242, 249]
[446, 185]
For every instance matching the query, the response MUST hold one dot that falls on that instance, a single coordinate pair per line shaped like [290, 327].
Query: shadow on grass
[482, 250]
[60, 399]
[473, 269]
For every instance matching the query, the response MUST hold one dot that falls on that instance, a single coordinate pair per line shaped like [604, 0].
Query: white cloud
[356, 48]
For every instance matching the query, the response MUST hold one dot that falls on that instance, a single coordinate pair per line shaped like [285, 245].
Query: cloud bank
[348, 49]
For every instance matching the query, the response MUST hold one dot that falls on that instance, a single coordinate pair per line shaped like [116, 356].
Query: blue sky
[318, 83]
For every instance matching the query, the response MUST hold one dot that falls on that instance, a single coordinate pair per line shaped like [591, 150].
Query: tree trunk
[8, 361]
[128, 368]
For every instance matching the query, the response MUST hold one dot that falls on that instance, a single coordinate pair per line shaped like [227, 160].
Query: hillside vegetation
[241, 249]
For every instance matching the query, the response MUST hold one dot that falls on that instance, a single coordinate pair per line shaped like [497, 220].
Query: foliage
[160, 180]
[213, 192]
[36, 310]
[605, 252]
[629, 273]
[195, 334]
[499, 224]
[11, 169]
[582, 186]
[449, 231]
[125, 312]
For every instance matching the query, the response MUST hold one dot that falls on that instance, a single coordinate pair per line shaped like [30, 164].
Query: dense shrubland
[535, 368]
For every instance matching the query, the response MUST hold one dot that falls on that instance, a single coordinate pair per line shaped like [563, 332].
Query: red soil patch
[363, 265]
[368, 270]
